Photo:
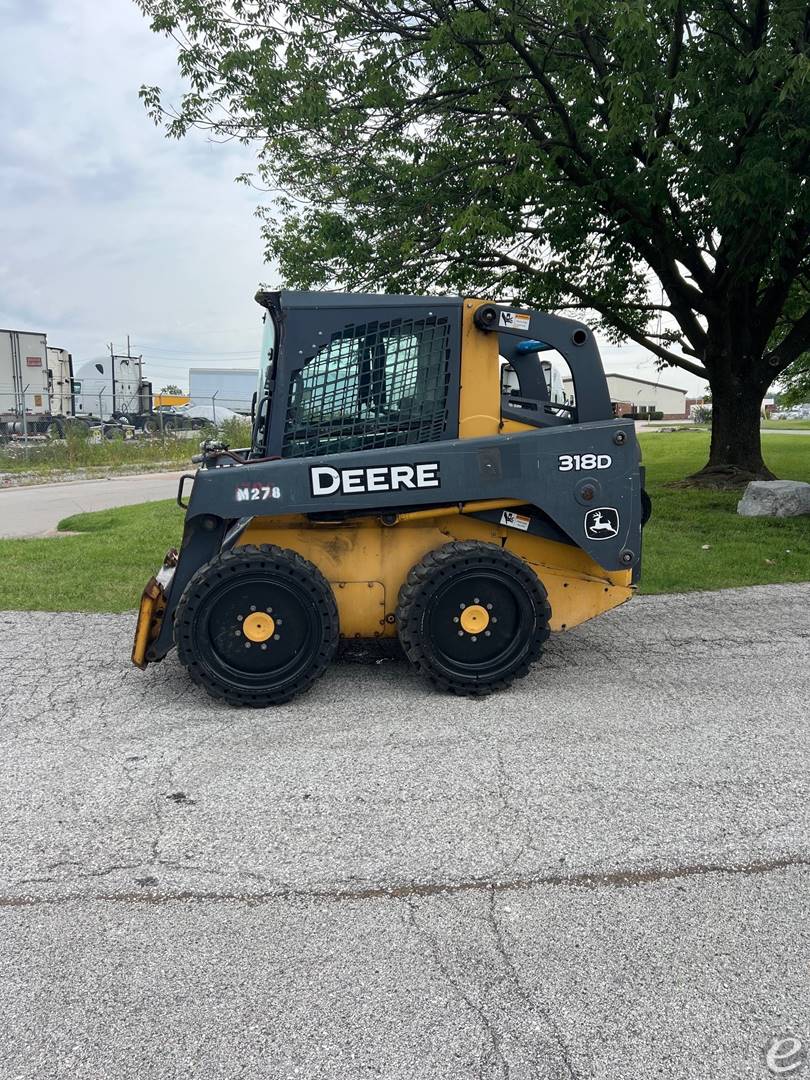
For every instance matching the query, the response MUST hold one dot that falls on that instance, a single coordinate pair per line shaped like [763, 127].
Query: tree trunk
[735, 455]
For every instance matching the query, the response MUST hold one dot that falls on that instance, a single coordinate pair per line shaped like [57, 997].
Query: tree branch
[611, 316]
[795, 342]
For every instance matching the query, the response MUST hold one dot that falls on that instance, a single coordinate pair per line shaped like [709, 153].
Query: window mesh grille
[374, 384]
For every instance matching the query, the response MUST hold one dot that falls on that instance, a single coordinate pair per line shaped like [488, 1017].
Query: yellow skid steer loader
[393, 489]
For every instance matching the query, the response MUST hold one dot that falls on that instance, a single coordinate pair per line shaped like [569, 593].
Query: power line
[161, 350]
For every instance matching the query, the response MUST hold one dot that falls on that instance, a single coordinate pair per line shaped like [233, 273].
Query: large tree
[646, 160]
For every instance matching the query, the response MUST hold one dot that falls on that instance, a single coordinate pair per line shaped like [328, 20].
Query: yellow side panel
[361, 605]
[567, 557]
[574, 598]
[479, 411]
[355, 555]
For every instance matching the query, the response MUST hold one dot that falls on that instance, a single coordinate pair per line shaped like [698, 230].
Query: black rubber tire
[301, 590]
[646, 507]
[151, 426]
[430, 581]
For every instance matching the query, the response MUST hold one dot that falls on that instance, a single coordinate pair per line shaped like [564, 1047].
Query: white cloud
[109, 227]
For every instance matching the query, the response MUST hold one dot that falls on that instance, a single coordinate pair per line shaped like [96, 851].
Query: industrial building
[640, 397]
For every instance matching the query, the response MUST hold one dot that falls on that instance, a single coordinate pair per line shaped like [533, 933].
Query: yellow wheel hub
[474, 619]
[259, 626]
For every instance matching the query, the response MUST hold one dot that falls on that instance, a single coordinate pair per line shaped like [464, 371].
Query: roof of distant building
[632, 378]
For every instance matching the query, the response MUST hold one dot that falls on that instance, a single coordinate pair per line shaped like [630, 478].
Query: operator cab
[339, 374]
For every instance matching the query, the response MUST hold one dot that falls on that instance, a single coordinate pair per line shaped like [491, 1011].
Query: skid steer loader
[392, 490]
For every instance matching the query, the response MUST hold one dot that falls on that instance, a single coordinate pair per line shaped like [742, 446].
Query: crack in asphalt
[522, 992]
[583, 880]
[493, 1054]
[495, 995]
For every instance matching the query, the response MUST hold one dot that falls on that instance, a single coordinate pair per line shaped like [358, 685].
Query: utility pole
[112, 376]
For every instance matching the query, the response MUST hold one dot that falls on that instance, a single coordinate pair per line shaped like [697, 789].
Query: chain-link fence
[30, 431]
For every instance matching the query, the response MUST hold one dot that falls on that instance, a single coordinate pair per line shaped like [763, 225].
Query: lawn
[103, 569]
[785, 425]
[695, 539]
[741, 551]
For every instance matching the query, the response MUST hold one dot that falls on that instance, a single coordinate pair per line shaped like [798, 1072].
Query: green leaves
[796, 382]
[571, 152]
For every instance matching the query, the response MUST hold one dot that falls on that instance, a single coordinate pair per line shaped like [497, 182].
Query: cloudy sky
[110, 229]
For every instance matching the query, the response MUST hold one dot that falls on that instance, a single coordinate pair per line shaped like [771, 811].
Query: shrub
[236, 432]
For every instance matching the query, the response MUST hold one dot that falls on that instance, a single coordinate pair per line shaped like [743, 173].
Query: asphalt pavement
[37, 509]
[603, 872]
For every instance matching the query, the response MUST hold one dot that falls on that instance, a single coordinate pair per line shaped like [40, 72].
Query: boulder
[775, 498]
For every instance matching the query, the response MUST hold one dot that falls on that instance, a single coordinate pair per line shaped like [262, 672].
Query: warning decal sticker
[515, 521]
[514, 320]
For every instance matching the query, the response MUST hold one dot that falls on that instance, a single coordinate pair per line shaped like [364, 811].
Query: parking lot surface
[604, 872]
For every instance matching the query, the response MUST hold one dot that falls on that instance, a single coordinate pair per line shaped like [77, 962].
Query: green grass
[103, 569]
[106, 567]
[786, 425]
[66, 455]
[741, 551]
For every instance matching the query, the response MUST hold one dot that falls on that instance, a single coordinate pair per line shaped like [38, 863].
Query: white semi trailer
[60, 381]
[226, 387]
[27, 383]
[39, 393]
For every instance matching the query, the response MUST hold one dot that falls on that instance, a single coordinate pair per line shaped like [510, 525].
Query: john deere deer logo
[602, 523]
